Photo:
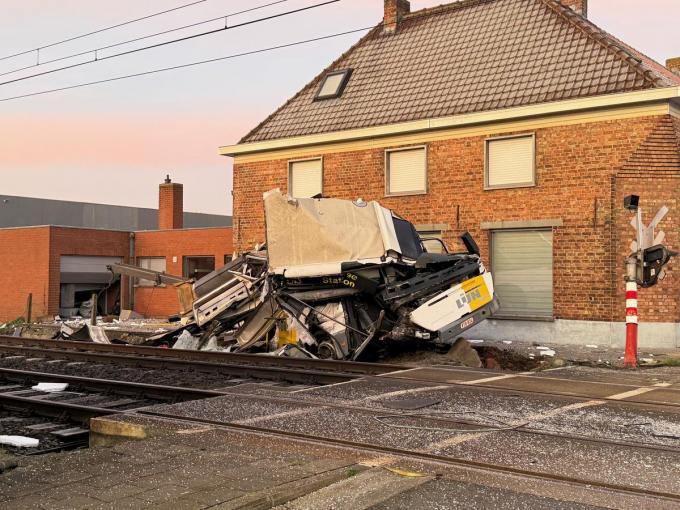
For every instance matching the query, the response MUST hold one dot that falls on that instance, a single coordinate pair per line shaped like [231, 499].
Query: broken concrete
[463, 353]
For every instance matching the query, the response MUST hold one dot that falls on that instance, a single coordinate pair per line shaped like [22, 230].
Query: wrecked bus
[334, 277]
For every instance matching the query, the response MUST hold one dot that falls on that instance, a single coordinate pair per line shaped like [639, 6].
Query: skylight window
[333, 84]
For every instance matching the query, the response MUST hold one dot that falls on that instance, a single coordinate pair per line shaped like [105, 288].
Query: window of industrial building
[227, 258]
[198, 266]
[432, 241]
[522, 268]
[510, 162]
[333, 85]
[305, 178]
[153, 263]
[406, 171]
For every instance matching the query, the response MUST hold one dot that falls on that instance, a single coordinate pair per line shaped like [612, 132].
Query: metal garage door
[522, 266]
[86, 269]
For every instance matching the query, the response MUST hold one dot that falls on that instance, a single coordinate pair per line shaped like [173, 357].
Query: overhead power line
[141, 38]
[96, 58]
[190, 64]
[129, 22]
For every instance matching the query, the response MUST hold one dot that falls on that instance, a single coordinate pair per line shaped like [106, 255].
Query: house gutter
[521, 112]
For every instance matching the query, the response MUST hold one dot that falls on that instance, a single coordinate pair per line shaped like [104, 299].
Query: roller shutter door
[522, 266]
[86, 269]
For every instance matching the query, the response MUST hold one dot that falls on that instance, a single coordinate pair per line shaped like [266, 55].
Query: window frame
[184, 264]
[150, 284]
[424, 147]
[347, 73]
[534, 318]
[290, 173]
[487, 143]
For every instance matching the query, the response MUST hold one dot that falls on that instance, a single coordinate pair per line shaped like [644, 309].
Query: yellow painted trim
[420, 138]
[557, 107]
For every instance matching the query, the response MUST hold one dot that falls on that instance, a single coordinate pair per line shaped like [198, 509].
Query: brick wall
[174, 245]
[170, 206]
[24, 253]
[576, 167]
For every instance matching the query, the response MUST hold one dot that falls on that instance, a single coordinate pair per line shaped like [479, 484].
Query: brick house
[519, 121]
[61, 266]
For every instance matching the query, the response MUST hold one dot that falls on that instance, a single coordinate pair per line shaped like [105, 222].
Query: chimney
[394, 11]
[170, 205]
[579, 6]
[673, 65]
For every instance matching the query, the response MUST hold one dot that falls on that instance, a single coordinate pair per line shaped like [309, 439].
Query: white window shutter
[510, 161]
[522, 268]
[407, 171]
[305, 178]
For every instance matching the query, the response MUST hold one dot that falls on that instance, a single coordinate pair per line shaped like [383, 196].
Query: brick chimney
[579, 6]
[394, 11]
[170, 205]
[673, 65]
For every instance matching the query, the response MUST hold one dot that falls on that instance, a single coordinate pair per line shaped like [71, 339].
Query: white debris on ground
[19, 441]
[50, 387]
[186, 341]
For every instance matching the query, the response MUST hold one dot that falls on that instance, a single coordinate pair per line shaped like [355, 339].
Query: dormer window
[333, 85]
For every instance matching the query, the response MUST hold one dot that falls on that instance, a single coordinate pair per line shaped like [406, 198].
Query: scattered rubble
[463, 353]
[335, 277]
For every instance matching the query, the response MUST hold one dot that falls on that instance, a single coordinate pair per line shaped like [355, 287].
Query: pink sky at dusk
[113, 143]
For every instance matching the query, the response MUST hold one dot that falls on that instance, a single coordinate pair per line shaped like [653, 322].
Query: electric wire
[165, 43]
[190, 64]
[141, 38]
[111, 27]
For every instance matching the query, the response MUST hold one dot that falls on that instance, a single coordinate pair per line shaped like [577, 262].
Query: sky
[115, 142]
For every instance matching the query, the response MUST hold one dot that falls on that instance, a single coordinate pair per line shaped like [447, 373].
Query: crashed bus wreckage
[334, 277]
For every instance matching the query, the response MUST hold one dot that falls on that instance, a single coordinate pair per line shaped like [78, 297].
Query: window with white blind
[522, 268]
[510, 162]
[406, 171]
[153, 263]
[305, 178]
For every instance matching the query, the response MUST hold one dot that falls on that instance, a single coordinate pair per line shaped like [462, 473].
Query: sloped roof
[465, 57]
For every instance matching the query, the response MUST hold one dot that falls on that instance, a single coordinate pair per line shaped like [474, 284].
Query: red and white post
[630, 358]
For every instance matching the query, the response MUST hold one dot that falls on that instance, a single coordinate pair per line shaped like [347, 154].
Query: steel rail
[423, 456]
[250, 359]
[154, 391]
[523, 429]
[54, 409]
[243, 371]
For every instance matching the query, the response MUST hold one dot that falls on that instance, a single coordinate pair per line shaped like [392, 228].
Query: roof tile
[464, 57]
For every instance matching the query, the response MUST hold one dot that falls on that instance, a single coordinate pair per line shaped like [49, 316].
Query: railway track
[83, 399]
[422, 456]
[137, 351]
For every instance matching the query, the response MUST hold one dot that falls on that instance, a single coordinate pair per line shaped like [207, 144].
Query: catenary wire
[141, 38]
[165, 43]
[190, 64]
[111, 27]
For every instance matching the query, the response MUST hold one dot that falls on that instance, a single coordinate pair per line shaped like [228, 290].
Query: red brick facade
[31, 263]
[24, 270]
[174, 245]
[576, 168]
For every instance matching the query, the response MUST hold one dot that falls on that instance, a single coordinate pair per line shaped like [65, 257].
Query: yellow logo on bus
[476, 294]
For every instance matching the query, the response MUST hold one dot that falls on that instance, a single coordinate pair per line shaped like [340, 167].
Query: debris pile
[334, 277]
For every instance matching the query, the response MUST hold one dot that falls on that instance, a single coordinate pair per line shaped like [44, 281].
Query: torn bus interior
[334, 278]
